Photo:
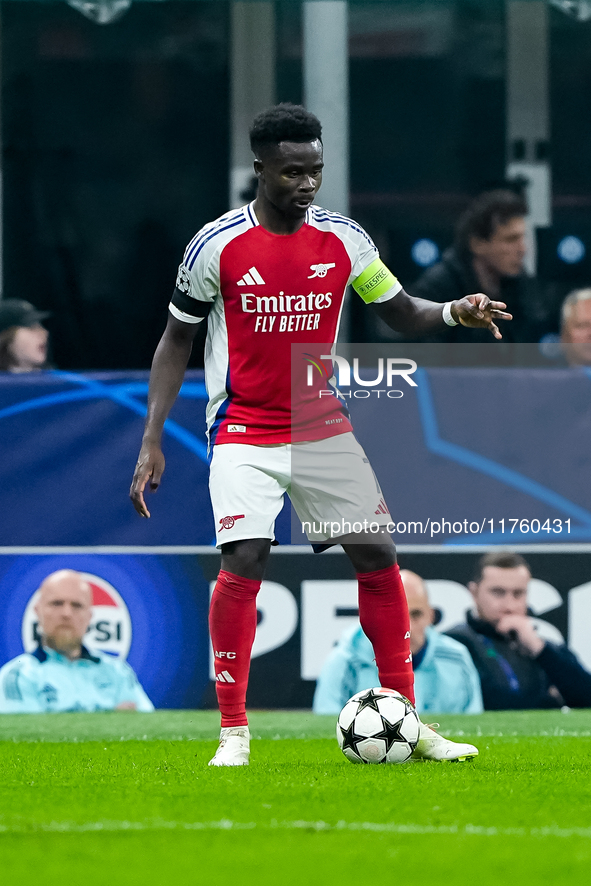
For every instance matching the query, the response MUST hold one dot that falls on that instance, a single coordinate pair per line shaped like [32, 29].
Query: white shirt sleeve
[365, 252]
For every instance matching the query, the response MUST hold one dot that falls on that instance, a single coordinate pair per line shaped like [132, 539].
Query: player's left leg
[333, 486]
[383, 613]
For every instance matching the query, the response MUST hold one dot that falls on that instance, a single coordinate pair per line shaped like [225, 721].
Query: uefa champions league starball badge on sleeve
[378, 726]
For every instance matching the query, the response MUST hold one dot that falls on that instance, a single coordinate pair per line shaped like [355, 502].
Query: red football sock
[383, 613]
[232, 626]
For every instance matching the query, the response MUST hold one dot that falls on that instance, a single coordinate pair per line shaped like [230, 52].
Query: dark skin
[289, 176]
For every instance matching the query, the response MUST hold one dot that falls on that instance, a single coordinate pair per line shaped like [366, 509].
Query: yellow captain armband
[374, 282]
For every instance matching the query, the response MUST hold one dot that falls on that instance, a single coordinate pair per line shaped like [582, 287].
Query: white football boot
[234, 747]
[432, 746]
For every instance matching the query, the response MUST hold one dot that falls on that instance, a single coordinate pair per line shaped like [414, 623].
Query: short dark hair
[284, 123]
[486, 213]
[501, 559]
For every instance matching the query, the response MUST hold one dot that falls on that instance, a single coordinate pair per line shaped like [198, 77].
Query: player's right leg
[246, 495]
[232, 626]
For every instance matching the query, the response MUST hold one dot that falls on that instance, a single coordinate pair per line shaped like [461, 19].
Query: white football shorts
[330, 483]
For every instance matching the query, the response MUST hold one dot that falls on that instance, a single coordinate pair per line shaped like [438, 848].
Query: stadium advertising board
[151, 607]
[467, 455]
[480, 444]
[150, 610]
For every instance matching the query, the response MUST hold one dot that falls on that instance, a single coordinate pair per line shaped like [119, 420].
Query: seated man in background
[575, 328]
[487, 256]
[62, 675]
[446, 681]
[518, 669]
[23, 340]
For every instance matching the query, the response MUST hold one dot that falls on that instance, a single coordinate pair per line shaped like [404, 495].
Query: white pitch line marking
[70, 827]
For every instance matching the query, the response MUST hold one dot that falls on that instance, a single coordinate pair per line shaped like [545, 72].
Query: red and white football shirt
[268, 292]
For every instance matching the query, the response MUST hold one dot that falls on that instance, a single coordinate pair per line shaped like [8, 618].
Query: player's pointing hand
[149, 468]
[479, 311]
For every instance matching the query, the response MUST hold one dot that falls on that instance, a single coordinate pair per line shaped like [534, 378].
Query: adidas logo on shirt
[251, 278]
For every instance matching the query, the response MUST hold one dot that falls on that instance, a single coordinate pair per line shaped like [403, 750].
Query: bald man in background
[62, 674]
[575, 330]
[446, 681]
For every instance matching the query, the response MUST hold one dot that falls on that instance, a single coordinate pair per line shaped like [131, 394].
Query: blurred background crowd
[477, 648]
[118, 144]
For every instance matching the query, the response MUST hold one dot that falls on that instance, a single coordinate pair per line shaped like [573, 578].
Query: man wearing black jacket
[517, 668]
[487, 256]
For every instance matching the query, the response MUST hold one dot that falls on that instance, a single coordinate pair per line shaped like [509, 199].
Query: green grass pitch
[125, 799]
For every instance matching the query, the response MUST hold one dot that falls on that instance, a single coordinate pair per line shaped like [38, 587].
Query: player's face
[577, 334]
[504, 251]
[28, 349]
[421, 614]
[501, 592]
[64, 610]
[290, 175]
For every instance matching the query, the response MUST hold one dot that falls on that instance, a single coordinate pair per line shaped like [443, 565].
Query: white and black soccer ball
[378, 726]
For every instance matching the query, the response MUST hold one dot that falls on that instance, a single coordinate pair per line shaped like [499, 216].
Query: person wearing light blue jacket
[446, 680]
[62, 674]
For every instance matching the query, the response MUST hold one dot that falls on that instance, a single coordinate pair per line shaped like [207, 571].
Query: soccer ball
[378, 726]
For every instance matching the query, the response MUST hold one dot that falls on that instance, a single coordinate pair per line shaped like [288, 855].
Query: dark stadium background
[116, 147]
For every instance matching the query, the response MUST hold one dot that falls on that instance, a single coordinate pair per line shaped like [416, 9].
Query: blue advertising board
[468, 456]
[151, 608]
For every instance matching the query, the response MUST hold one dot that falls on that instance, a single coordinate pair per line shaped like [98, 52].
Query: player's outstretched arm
[418, 316]
[166, 378]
